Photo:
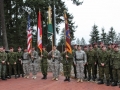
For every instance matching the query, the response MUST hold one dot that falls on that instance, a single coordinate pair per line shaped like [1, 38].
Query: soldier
[67, 62]
[103, 63]
[12, 59]
[91, 63]
[80, 60]
[85, 66]
[74, 66]
[3, 59]
[55, 62]
[34, 57]
[115, 63]
[110, 67]
[25, 62]
[96, 59]
[19, 62]
[44, 63]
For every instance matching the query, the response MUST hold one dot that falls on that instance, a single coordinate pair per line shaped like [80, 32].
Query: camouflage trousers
[26, 68]
[116, 74]
[44, 67]
[67, 69]
[33, 69]
[102, 71]
[12, 66]
[55, 66]
[2, 69]
[80, 69]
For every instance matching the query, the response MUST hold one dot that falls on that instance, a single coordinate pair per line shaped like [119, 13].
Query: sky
[103, 13]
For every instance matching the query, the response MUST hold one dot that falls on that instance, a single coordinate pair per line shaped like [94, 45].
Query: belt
[79, 59]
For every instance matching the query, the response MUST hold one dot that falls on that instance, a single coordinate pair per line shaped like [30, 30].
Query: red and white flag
[39, 35]
[29, 36]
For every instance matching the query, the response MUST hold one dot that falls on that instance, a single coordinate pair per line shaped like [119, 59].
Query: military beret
[90, 45]
[11, 47]
[94, 43]
[112, 43]
[44, 47]
[75, 44]
[19, 47]
[101, 42]
[85, 46]
[116, 46]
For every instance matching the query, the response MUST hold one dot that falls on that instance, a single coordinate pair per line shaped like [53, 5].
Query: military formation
[90, 63]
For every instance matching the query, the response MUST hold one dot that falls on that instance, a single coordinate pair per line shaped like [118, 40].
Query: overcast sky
[103, 13]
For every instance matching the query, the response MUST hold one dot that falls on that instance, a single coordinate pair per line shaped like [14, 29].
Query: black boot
[100, 82]
[22, 75]
[107, 83]
[114, 83]
[43, 76]
[3, 78]
[89, 78]
[66, 79]
[93, 78]
[15, 76]
[18, 75]
[9, 77]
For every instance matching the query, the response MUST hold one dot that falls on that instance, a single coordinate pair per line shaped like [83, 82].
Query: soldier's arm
[70, 56]
[57, 55]
[85, 57]
[45, 55]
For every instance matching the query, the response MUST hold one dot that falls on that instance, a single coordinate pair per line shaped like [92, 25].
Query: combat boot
[22, 75]
[18, 75]
[114, 83]
[107, 83]
[43, 77]
[100, 82]
[15, 76]
[3, 78]
[9, 77]
[66, 79]
[89, 78]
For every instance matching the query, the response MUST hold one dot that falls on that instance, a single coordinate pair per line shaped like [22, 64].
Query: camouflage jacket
[3, 56]
[12, 57]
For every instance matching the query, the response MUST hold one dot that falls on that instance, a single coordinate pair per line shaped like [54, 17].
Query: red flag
[39, 35]
[29, 36]
[68, 41]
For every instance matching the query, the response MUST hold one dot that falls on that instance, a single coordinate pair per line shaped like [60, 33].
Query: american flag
[29, 36]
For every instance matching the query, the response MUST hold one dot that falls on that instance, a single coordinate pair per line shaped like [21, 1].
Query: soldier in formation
[67, 62]
[44, 63]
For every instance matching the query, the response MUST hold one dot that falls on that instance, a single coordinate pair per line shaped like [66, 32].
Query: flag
[50, 28]
[29, 36]
[39, 32]
[67, 32]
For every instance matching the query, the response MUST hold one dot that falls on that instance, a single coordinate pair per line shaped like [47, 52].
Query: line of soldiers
[17, 62]
[90, 63]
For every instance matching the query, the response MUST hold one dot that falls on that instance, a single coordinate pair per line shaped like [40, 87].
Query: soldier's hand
[66, 56]
[95, 63]
[14, 62]
[8, 63]
[53, 56]
[3, 61]
[41, 55]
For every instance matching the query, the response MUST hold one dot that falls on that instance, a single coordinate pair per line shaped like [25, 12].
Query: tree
[2, 15]
[16, 12]
[62, 38]
[103, 36]
[82, 41]
[111, 35]
[94, 35]
[78, 42]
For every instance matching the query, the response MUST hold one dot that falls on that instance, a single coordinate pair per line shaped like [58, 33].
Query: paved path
[38, 84]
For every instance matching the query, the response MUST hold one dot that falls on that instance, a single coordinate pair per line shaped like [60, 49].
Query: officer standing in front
[44, 63]
[3, 59]
[80, 60]
[55, 54]
[67, 62]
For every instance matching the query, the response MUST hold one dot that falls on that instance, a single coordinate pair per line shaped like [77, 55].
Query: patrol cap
[112, 43]
[101, 42]
[94, 43]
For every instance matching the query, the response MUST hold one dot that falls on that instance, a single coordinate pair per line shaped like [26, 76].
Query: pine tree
[103, 36]
[78, 42]
[82, 41]
[94, 35]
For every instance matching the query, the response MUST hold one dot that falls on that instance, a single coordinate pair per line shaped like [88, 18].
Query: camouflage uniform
[91, 64]
[12, 59]
[103, 69]
[33, 63]
[86, 66]
[3, 57]
[115, 63]
[55, 64]
[74, 66]
[44, 64]
[67, 62]
[19, 64]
